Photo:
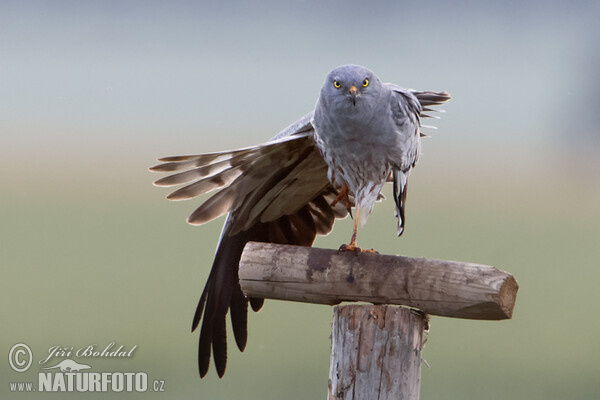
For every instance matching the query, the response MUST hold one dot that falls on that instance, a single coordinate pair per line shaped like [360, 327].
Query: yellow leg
[355, 230]
[352, 246]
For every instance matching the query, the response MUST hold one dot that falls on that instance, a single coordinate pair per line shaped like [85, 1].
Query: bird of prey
[361, 134]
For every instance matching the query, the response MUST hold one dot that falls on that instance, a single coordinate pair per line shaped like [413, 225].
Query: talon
[348, 206]
[350, 247]
[342, 195]
[370, 251]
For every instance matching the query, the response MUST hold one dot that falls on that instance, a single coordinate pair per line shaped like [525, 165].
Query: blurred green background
[91, 93]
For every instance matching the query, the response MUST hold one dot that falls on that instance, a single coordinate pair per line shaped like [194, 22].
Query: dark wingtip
[199, 309]
[196, 320]
[238, 311]
[219, 345]
[256, 303]
[221, 372]
[203, 363]
[204, 344]
[203, 372]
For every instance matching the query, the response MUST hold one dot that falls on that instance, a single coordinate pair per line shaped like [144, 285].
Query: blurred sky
[92, 92]
[105, 77]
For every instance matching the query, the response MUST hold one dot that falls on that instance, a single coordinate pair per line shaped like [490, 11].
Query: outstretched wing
[428, 98]
[276, 192]
[408, 107]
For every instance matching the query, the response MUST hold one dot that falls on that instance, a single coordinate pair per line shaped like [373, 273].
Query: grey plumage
[366, 130]
[282, 191]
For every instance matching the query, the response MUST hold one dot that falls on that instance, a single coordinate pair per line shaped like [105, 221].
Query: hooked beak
[353, 94]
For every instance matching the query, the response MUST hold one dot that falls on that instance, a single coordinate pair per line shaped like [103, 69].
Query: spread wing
[408, 107]
[276, 192]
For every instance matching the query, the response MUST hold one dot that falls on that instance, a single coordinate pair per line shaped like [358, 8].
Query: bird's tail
[400, 180]
[222, 293]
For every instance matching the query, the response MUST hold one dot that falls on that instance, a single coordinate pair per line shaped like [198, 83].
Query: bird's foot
[370, 251]
[356, 249]
[350, 247]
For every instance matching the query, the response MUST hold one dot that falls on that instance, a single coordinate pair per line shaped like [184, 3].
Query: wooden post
[376, 352]
[323, 276]
[376, 349]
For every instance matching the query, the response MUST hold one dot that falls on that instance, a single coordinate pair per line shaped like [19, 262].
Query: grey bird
[362, 134]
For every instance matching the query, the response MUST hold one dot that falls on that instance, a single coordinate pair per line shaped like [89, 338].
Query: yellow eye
[337, 84]
[366, 82]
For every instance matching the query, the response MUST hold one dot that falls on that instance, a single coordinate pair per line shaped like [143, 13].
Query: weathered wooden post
[376, 349]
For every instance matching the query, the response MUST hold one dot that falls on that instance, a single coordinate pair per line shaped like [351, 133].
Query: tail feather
[204, 345]
[178, 163]
[322, 214]
[206, 185]
[239, 317]
[209, 158]
[217, 205]
[400, 185]
[256, 303]
[303, 227]
[221, 293]
[199, 308]
[219, 344]
[429, 98]
[194, 174]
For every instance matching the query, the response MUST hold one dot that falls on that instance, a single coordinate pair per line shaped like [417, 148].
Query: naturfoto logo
[60, 372]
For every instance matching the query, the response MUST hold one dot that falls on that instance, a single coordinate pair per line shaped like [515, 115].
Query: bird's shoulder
[405, 106]
[403, 100]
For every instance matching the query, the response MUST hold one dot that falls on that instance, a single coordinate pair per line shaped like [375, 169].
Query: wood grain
[324, 276]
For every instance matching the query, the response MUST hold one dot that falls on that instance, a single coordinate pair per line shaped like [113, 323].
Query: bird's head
[351, 89]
